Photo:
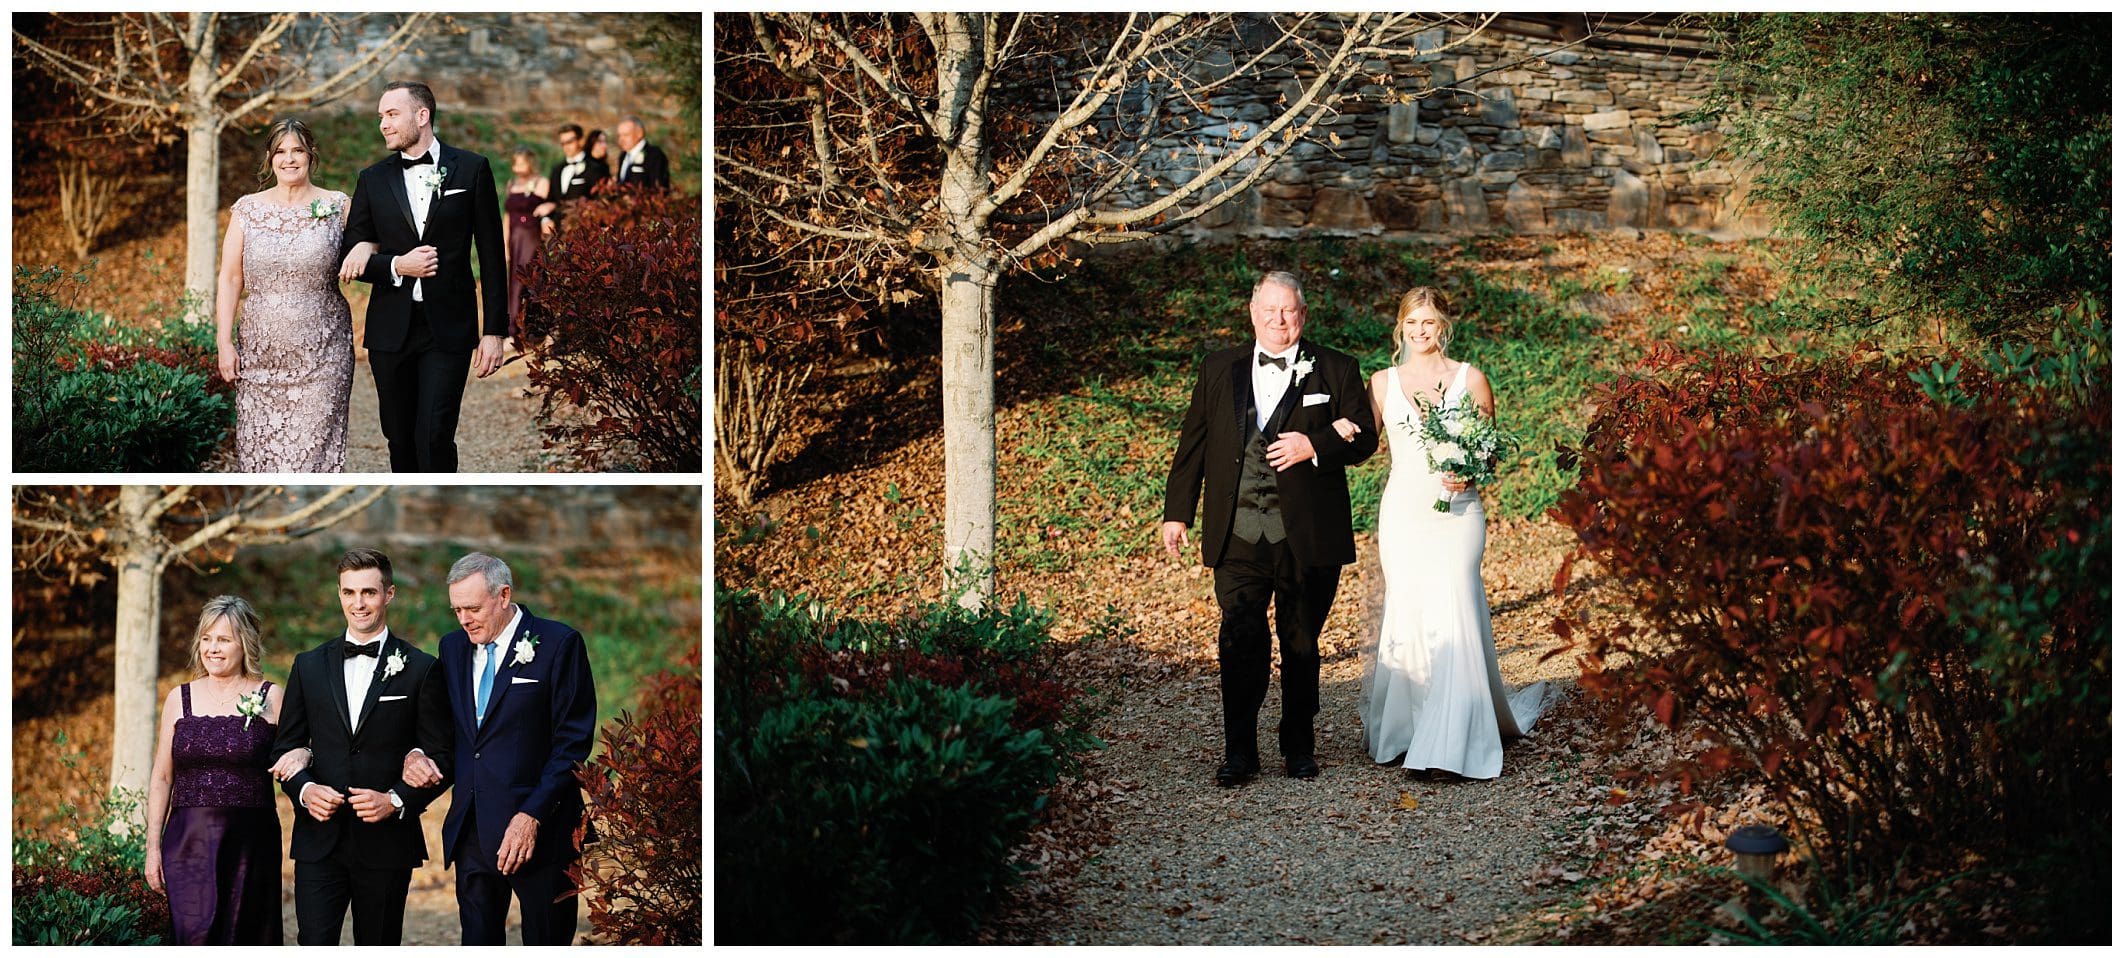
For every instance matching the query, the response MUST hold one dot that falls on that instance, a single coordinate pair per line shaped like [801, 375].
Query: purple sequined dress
[221, 848]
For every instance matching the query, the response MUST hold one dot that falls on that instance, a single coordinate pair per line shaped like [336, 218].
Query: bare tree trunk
[136, 650]
[202, 187]
[970, 433]
[968, 297]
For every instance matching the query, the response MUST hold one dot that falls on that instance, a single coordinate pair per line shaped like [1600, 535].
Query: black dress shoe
[1231, 773]
[1301, 767]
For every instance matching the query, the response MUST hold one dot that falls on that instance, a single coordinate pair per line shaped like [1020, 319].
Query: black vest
[1259, 514]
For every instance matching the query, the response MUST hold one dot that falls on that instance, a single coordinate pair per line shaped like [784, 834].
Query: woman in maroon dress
[213, 832]
[521, 210]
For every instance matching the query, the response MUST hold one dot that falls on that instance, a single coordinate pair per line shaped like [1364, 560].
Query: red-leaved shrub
[612, 315]
[644, 797]
[1891, 601]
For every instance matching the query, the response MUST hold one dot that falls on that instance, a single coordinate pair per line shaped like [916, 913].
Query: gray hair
[243, 620]
[1285, 279]
[638, 124]
[480, 563]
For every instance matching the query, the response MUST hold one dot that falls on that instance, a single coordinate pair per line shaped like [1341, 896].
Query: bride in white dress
[1433, 698]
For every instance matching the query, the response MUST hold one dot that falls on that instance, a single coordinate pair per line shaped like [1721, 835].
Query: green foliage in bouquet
[94, 396]
[872, 778]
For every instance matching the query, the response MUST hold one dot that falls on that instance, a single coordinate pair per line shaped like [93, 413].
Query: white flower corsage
[395, 664]
[1303, 367]
[251, 705]
[434, 178]
[321, 209]
[526, 650]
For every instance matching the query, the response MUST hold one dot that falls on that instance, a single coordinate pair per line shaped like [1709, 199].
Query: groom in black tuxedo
[358, 703]
[424, 207]
[1259, 452]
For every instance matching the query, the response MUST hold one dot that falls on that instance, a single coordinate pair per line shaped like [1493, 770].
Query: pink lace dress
[294, 340]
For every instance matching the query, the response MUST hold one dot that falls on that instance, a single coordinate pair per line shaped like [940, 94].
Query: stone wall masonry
[568, 64]
[1530, 139]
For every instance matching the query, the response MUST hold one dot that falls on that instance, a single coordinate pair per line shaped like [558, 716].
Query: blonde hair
[282, 128]
[1416, 299]
[243, 620]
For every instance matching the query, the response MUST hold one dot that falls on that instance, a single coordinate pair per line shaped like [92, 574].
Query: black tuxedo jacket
[1315, 499]
[594, 172]
[407, 710]
[654, 171]
[466, 212]
[541, 720]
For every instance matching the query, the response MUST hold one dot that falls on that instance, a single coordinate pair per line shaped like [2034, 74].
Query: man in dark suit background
[1259, 452]
[528, 712]
[641, 164]
[357, 703]
[573, 177]
[425, 207]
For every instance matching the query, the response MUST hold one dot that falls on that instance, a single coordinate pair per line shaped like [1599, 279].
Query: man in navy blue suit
[525, 712]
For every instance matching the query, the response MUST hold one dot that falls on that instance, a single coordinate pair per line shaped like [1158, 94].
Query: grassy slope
[1094, 371]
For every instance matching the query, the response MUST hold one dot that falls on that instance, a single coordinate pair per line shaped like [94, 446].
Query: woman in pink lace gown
[292, 357]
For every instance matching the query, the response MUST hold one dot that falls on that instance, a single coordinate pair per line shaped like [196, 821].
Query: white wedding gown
[1433, 693]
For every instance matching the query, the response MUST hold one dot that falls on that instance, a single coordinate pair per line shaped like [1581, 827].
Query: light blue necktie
[486, 681]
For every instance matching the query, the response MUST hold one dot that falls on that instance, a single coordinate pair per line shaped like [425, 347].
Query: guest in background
[213, 834]
[600, 150]
[574, 176]
[641, 164]
[525, 204]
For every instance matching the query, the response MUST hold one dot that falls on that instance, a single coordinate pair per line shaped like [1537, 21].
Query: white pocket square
[1315, 399]
[389, 698]
[452, 192]
[520, 680]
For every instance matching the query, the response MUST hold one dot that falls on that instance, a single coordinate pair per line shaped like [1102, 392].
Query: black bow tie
[426, 159]
[1264, 359]
[369, 649]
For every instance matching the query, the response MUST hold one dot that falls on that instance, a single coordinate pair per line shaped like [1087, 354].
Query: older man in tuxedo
[1258, 450]
[641, 163]
[526, 711]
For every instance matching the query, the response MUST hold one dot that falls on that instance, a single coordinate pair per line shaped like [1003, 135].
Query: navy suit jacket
[541, 719]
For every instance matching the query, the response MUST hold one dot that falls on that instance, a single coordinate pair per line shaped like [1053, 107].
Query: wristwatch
[396, 802]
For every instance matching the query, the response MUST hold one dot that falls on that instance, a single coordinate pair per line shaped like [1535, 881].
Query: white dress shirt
[418, 194]
[572, 171]
[1271, 383]
[498, 647]
[358, 672]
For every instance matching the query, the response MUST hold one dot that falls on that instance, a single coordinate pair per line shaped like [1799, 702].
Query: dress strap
[1461, 381]
[186, 690]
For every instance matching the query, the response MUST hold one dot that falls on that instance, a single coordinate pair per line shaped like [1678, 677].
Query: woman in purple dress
[213, 833]
[521, 210]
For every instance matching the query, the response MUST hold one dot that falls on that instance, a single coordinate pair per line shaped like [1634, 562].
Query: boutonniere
[526, 650]
[251, 705]
[321, 209]
[1303, 367]
[434, 178]
[395, 664]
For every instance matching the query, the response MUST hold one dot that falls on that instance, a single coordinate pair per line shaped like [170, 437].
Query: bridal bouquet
[1460, 440]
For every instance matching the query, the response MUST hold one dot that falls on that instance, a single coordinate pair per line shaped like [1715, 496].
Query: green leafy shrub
[93, 396]
[888, 818]
[1883, 586]
[90, 888]
[873, 777]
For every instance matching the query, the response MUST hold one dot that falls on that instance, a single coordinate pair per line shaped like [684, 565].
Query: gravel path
[1338, 859]
[497, 427]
